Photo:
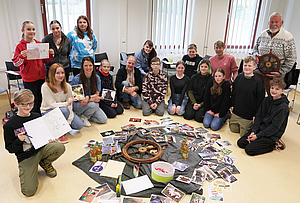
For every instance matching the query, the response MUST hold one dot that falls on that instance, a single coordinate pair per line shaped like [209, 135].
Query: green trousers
[239, 125]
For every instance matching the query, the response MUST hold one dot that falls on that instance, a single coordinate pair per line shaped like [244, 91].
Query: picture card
[89, 194]
[132, 200]
[199, 135]
[227, 175]
[191, 133]
[201, 130]
[37, 51]
[135, 120]
[159, 199]
[209, 164]
[193, 146]
[170, 138]
[165, 120]
[207, 155]
[160, 138]
[128, 127]
[103, 189]
[108, 94]
[215, 193]
[210, 175]
[173, 193]
[225, 143]
[229, 159]
[115, 149]
[113, 169]
[180, 166]
[232, 168]
[213, 135]
[225, 151]
[222, 184]
[120, 138]
[138, 184]
[78, 92]
[121, 133]
[98, 167]
[53, 125]
[156, 132]
[147, 122]
[187, 127]
[199, 176]
[196, 198]
[164, 130]
[107, 133]
[106, 150]
[143, 130]
[184, 179]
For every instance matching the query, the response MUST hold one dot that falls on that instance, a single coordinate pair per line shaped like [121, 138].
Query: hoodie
[271, 118]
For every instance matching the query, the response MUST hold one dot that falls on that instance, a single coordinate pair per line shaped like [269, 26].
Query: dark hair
[277, 82]
[23, 25]
[208, 64]
[93, 78]
[155, 59]
[152, 52]
[79, 33]
[63, 36]
[192, 46]
[180, 62]
[217, 88]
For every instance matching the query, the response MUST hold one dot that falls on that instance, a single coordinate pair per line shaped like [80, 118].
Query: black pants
[35, 88]
[258, 146]
[109, 111]
[190, 113]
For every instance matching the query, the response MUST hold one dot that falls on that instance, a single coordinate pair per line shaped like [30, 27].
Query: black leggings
[110, 111]
[35, 87]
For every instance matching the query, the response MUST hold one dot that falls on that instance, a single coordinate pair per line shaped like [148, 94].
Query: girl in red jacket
[33, 71]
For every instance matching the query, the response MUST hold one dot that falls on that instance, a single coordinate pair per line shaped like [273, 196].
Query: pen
[27, 135]
[219, 144]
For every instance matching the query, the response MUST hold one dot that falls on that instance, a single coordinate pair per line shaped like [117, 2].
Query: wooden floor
[268, 178]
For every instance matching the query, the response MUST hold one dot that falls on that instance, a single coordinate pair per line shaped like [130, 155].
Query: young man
[247, 93]
[223, 61]
[270, 122]
[154, 90]
[129, 84]
[16, 141]
[191, 60]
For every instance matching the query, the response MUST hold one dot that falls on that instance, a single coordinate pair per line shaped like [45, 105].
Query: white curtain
[172, 25]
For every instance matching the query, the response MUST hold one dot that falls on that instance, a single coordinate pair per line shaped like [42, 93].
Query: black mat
[171, 154]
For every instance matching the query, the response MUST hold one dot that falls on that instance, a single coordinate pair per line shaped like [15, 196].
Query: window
[171, 25]
[65, 11]
[241, 25]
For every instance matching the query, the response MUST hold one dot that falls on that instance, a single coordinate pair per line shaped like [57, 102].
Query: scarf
[105, 74]
[130, 77]
[145, 56]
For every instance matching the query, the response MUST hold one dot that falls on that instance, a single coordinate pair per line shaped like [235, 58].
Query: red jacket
[30, 70]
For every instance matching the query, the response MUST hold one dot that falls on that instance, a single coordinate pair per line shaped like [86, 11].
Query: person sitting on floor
[129, 84]
[17, 142]
[269, 124]
[154, 90]
[110, 106]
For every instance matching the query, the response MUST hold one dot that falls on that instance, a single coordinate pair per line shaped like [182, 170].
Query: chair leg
[9, 101]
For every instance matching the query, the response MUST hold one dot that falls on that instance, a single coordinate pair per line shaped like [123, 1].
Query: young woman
[83, 42]
[58, 93]
[178, 84]
[61, 45]
[217, 101]
[88, 108]
[32, 71]
[144, 57]
[111, 108]
[196, 91]
[17, 142]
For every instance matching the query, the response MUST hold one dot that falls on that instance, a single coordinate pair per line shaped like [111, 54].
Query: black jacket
[122, 76]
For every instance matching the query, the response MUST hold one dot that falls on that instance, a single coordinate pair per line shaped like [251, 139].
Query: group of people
[205, 90]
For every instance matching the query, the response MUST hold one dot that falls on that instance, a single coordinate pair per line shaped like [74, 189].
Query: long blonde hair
[51, 79]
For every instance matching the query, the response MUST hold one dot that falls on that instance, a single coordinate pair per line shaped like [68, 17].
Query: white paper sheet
[50, 126]
[137, 184]
[37, 51]
[113, 169]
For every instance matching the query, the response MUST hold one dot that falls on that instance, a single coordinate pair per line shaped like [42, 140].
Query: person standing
[83, 42]
[191, 60]
[61, 45]
[283, 46]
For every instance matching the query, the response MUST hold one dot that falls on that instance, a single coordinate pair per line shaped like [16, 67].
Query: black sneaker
[50, 171]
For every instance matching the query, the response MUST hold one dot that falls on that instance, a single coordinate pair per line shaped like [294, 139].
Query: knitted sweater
[282, 45]
[154, 87]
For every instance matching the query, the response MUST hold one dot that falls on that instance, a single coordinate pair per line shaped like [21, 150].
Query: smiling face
[88, 68]
[82, 24]
[219, 51]
[180, 69]
[203, 69]
[59, 74]
[24, 108]
[105, 67]
[276, 92]
[130, 63]
[56, 29]
[155, 67]
[248, 68]
[147, 48]
[192, 53]
[219, 77]
[275, 23]
[29, 32]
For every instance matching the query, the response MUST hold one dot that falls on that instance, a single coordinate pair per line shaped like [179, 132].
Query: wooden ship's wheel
[269, 63]
[145, 149]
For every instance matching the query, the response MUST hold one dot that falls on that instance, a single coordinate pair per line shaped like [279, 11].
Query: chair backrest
[100, 57]
[10, 66]
[291, 78]
[124, 57]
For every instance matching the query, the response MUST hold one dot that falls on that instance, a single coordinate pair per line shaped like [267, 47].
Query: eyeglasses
[153, 64]
[27, 104]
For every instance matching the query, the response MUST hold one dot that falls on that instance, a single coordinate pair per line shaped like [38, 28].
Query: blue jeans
[91, 111]
[136, 101]
[215, 123]
[183, 104]
[76, 123]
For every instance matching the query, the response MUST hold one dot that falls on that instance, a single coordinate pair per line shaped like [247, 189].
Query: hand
[153, 106]
[51, 51]
[24, 53]
[217, 115]
[71, 100]
[173, 109]
[210, 112]
[129, 90]
[257, 59]
[53, 140]
[196, 106]
[134, 94]
[231, 109]
[84, 101]
[22, 136]
[113, 105]
[253, 119]
[178, 109]
[273, 74]
[251, 137]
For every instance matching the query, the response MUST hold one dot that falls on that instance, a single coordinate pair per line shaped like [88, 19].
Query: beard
[273, 29]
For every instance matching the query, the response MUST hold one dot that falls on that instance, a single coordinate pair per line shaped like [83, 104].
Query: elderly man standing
[129, 84]
[282, 44]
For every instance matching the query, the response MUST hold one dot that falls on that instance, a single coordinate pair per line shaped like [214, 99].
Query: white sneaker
[85, 121]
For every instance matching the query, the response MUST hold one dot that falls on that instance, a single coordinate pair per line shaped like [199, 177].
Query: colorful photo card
[199, 176]
[108, 141]
[196, 198]
[225, 151]
[116, 149]
[210, 175]
[144, 131]
[170, 138]
[78, 92]
[222, 184]
[103, 189]
[188, 140]
[180, 166]
[160, 138]
[232, 168]
[89, 194]
[128, 127]
[120, 139]
[98, 167]
[215, 193]
[159, 199]
[200, 135]
[107, 133]
[165, 120]
[229, 159]
[201, 130]
[213, 135]
[187, 127]
[210, 149]
[227, 175]
[193, 146]
[225, 143]
[209, 164]
[173, 193]
[156, 133]
[207, 156]
[191, 133]
[108, 94]
[121, 133]
[164, 130]
[183, 179]
[136, 120]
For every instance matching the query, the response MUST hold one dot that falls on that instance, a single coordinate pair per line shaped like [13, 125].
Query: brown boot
[126, 105]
